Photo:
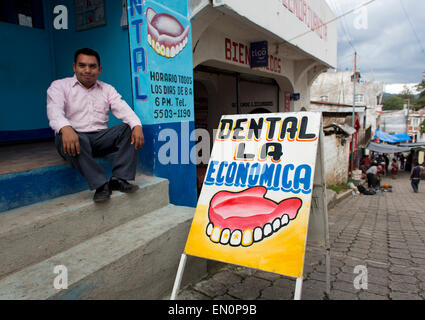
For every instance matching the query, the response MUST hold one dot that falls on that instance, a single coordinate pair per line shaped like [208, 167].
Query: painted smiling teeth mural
[247, 217]
[166, 35]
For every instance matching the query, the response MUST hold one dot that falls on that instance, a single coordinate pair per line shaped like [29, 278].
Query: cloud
[396, 88]
[387, 49]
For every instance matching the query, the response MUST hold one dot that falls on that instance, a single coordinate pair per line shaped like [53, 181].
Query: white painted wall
[393, 121]
[213, 46]
[336, 160]
[339, 89]
[222, 33]
[280, 18]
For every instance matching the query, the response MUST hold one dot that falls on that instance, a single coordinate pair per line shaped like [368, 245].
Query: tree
[408, 97]
[407, 94]
[420, 102]
[393, 103]
[421, 86]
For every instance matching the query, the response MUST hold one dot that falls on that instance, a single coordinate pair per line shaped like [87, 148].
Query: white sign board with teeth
[264, 178]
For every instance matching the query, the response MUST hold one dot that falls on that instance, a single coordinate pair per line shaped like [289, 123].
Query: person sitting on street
[78, 111]
[379, 173]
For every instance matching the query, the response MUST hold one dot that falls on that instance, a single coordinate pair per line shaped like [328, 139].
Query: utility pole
[406, 113]
[354, 87]
[354, 78]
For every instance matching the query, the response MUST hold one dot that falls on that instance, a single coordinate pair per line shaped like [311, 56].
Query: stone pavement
[384, 232]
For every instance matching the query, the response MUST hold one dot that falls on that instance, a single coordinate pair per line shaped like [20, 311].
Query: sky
[387, 47]
[396, 88]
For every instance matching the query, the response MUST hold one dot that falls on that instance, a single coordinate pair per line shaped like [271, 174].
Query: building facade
[337, 87]
[300, 45]
[415, 120]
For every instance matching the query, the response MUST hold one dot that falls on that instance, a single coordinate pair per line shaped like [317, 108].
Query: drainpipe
[354, 106]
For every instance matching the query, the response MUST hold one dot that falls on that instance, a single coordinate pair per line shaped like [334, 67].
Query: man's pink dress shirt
[69, 103]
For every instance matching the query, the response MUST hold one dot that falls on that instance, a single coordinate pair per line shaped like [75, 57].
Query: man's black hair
[88, 52]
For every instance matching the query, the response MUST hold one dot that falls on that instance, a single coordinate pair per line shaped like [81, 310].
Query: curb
[339, 198]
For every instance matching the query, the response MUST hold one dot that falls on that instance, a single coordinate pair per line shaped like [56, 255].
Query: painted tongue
[166, 24]
[249, 209]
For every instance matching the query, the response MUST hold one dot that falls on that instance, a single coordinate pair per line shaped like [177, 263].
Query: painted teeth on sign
[247, 217]
[246, 237]
[166, 35]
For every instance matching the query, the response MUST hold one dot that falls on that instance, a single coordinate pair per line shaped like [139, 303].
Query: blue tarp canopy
[391, 138]
[402, 137]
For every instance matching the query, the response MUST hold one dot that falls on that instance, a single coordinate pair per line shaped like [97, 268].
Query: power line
[343, 24]
[334, 19]
[413, 28]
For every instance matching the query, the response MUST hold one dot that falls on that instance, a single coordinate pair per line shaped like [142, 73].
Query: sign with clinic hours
[255, 203]
[161, 60]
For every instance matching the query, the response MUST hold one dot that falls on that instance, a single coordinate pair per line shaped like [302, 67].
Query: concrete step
[136, 260]
[33, 233]
[27, 187]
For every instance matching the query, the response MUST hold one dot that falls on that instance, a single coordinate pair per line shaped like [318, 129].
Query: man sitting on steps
[78, 112]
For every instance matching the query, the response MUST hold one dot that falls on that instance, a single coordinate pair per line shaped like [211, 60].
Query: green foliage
[421, 87]
[393, 103]
[423, 127]
[420, 102]
[338, 188]
[406, 97]
[407, 94]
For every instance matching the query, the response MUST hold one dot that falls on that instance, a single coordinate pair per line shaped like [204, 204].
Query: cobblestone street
[384, 232]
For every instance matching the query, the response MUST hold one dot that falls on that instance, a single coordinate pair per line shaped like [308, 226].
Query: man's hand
[137, 137]
[70, 141]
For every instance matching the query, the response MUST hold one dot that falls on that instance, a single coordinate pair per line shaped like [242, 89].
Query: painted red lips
[166, 35]
[247, 217]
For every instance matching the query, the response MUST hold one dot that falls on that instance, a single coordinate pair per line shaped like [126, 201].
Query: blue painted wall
[182, 177]
[32, 58]
[111, 41]
[26, 71]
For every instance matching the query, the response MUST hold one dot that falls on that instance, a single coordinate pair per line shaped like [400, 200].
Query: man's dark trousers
[99, 144]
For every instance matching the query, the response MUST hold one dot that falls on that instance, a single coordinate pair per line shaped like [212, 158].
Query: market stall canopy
[402, 137]
[417, 146]
[391, 138]
[386, 148]
[412, 145]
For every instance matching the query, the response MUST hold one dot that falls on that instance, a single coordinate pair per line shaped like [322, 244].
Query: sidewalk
[384, 232]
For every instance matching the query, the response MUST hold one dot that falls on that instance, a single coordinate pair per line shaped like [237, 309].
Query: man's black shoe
[122, 185]
[103, 193]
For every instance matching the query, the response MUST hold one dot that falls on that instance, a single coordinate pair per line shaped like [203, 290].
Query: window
[324, 98]
[415, 122]
[27, 13]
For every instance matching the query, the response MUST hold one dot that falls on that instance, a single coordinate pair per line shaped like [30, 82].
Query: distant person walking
[402, 159]
[387, 163]
[394, 168]
[415, 177]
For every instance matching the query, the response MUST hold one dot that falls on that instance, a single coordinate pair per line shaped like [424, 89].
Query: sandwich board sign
[264, 183]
